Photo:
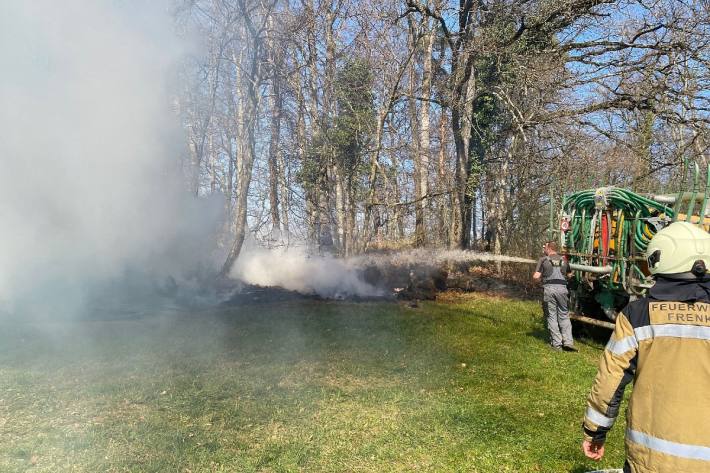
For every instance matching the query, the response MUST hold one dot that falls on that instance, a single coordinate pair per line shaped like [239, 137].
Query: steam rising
[329, 277]
[293, 269]
[90, 187]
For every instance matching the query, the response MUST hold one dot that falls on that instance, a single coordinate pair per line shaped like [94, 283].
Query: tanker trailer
[604, 233]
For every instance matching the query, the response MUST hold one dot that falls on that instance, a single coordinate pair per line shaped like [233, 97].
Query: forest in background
[351, 126]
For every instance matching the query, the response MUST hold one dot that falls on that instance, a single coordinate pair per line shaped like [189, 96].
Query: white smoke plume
[293, 269]
[90, 187]
[329, 277]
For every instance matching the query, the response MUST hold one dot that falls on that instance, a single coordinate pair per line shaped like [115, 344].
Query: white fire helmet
[676, 248]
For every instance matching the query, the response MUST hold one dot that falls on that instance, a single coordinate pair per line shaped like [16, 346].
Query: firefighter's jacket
[662, 343]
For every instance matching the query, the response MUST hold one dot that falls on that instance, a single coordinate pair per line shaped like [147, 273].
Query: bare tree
[459, 120]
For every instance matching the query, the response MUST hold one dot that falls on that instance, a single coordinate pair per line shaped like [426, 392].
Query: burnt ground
[411, 283]
[424, 281]
[253, 294]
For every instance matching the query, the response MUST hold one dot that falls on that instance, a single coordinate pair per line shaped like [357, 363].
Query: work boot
[570, 348]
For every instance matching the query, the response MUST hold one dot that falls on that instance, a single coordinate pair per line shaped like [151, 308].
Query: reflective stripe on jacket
[662, 343]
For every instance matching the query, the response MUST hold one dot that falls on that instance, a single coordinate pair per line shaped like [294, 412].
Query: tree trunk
[468, 184]
[230, 180]
[274, 157]
[499, 205]
[212, 158]
[396, 226]
[244, 181]
[340, 209]
[248, 89]
[369, 231]
[337, 202]
[424, 135]
[275, 105]
[414, 147]
[458, 232]
[460, 114]
[320, 187]
[311, 201]
[284, 179]
[194, 164]
[351, 227]
[446, 200]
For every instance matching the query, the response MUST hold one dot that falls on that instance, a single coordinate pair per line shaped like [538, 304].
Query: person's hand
[592, 450]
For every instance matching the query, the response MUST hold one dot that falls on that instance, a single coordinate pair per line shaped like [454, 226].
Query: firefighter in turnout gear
[553, 270]
[662, 343]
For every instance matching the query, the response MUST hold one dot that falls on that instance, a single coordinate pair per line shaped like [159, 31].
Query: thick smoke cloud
[293, 269]
[90, 188]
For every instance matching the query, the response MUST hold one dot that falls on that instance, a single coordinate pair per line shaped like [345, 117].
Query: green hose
[701, 220]
[631, 239]
[691, 204]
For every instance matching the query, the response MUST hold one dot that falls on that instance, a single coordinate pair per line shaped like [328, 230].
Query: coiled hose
[615, 233]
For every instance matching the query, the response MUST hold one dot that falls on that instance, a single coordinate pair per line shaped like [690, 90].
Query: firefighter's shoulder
[636, 312]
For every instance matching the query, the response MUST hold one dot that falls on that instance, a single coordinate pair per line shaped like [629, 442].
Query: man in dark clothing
[553, 270]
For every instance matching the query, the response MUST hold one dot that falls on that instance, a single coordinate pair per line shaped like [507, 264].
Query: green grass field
[467, 384]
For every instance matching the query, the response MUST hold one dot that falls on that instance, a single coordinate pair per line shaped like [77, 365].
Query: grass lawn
[466, 384]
